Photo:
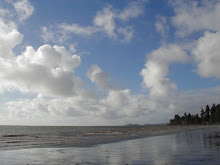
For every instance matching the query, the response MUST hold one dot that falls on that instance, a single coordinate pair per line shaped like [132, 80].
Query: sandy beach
[173, 145]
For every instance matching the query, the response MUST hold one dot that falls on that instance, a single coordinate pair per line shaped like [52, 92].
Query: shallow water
[197, 147]
[18, 137]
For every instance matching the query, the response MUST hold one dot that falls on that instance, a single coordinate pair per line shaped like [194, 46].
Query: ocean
[136, 145]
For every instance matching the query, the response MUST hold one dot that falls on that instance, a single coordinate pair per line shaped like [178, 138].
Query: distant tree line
[207, 116]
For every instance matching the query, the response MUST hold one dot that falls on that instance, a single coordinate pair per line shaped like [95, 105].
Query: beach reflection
[189, 147]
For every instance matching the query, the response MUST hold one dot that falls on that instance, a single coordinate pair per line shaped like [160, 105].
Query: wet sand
[104, 136]
[128, 133]
[197, 145]
[84, 136]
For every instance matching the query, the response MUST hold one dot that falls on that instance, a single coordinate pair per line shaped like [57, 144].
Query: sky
[105, 62]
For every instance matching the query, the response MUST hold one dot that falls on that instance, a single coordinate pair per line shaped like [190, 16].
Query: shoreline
[96, 137]
[158, 132]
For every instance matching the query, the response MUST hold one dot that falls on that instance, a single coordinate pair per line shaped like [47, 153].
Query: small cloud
[9, 38]
[24, 9]
[98, 76]
[77, 29]
[72, 47]
[132, 10]
[161, 25]
[157, 68]
[105, 19]
[46, 34]
[206, 54]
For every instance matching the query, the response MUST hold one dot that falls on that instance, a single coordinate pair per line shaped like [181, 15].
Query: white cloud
[98, 76]
[117, 107]
[200, 16]
[23, 8]
[77, 29]
[157, 68]
[48, 71]
[195, 16]
[101, 78]
[132, 10]
[47, 35]
[207, 55]
[122, 104]
[9, 38]
[104, 22]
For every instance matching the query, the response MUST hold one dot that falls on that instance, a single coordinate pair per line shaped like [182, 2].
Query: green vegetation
[207, 116]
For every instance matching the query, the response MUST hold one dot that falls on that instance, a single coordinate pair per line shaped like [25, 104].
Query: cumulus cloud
[122, 103]
[207, 55]
[200, 16]
[117, 107]
[157, 68]
[104, 22]
[68, 106]
[47, 71]
[9, 38]
[195, 16]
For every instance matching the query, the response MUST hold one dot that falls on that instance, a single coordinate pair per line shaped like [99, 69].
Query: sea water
[201, 146]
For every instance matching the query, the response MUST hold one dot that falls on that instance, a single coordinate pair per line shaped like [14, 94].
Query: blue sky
[107, 62]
